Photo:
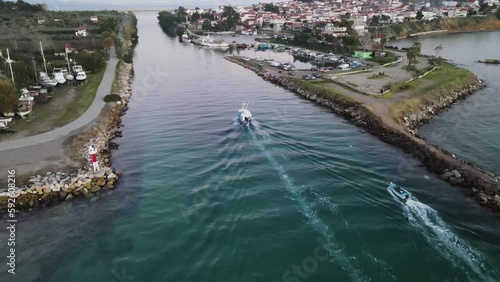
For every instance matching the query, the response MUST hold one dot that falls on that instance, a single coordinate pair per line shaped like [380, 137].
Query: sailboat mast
[34, 69]
[43, 57]
[67, 59]
[10, 66]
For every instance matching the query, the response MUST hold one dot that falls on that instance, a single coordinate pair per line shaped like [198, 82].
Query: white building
[81, 32]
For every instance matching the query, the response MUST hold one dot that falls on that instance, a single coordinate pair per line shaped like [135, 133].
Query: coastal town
[329, 15]
[367, 131]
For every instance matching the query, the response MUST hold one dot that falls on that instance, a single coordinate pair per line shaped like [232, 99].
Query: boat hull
[401, 194]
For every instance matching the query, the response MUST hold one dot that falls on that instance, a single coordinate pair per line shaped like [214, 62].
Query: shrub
[112, 98]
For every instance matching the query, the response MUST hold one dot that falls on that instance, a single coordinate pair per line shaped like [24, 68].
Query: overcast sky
[138, 4]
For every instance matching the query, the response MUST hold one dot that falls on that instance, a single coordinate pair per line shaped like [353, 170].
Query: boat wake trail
[335, 249]
[440, 236]
[382, 266]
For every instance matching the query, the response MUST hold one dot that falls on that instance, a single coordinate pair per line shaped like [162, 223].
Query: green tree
[195, 17]
[107, 24]
[181, 14]
[107, 39]
[207, 25]
[8, 96]
[93, 62]
[386, 18]
[413, 52]
[271, 8]
[420, 15]
[498, 14]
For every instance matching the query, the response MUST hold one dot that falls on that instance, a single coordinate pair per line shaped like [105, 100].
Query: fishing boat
[399, 192]
[244, 115]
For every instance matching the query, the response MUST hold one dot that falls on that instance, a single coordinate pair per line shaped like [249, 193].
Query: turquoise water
[299, 195]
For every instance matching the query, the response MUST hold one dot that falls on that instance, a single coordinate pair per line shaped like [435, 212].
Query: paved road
[92, 113]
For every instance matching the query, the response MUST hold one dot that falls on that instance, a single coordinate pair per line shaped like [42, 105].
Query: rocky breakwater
[412, 120]
[60, 186]
[481, 185]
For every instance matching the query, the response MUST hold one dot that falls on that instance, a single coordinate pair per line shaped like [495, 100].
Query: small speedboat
[244, 115]
[399, 192]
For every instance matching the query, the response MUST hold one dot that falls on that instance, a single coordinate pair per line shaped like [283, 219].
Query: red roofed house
[81, 32]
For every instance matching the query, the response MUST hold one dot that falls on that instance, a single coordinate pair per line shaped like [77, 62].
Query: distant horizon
[141, 5]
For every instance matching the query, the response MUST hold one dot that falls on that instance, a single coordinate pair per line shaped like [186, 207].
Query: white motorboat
[4, 122]
[274, 64]
[185, 38]
[59, 77]
[244, 115]
[213, 42]
[44, 79]
[78, 73]
[25, 105]
[81, 76]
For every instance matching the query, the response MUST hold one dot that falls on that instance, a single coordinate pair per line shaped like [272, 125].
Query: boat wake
[384, 268]
[334, 248]
[448, 244]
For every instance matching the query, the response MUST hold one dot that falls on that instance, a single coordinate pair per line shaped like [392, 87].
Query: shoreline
[440, 32]
[477, 183]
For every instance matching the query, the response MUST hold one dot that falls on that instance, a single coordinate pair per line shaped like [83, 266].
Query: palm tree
[413, 52]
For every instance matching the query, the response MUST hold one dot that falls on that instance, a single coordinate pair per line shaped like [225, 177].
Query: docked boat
[244, 115]
[185, 38]
[4, 122]
[490, 61]
[25, 104]
[274, 64]
[59, 75]
[79, 74]
[45, 80]
[213, 42]
[399, 192]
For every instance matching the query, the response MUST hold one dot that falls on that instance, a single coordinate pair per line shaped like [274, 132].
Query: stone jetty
[482, 185]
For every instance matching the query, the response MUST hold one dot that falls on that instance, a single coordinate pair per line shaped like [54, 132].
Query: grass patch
[388, 58]
[320, 89]
[85, 98]
[447, 79]
[115, 87]
[352, 84]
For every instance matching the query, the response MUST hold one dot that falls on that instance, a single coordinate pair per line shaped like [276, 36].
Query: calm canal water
[299, 196]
